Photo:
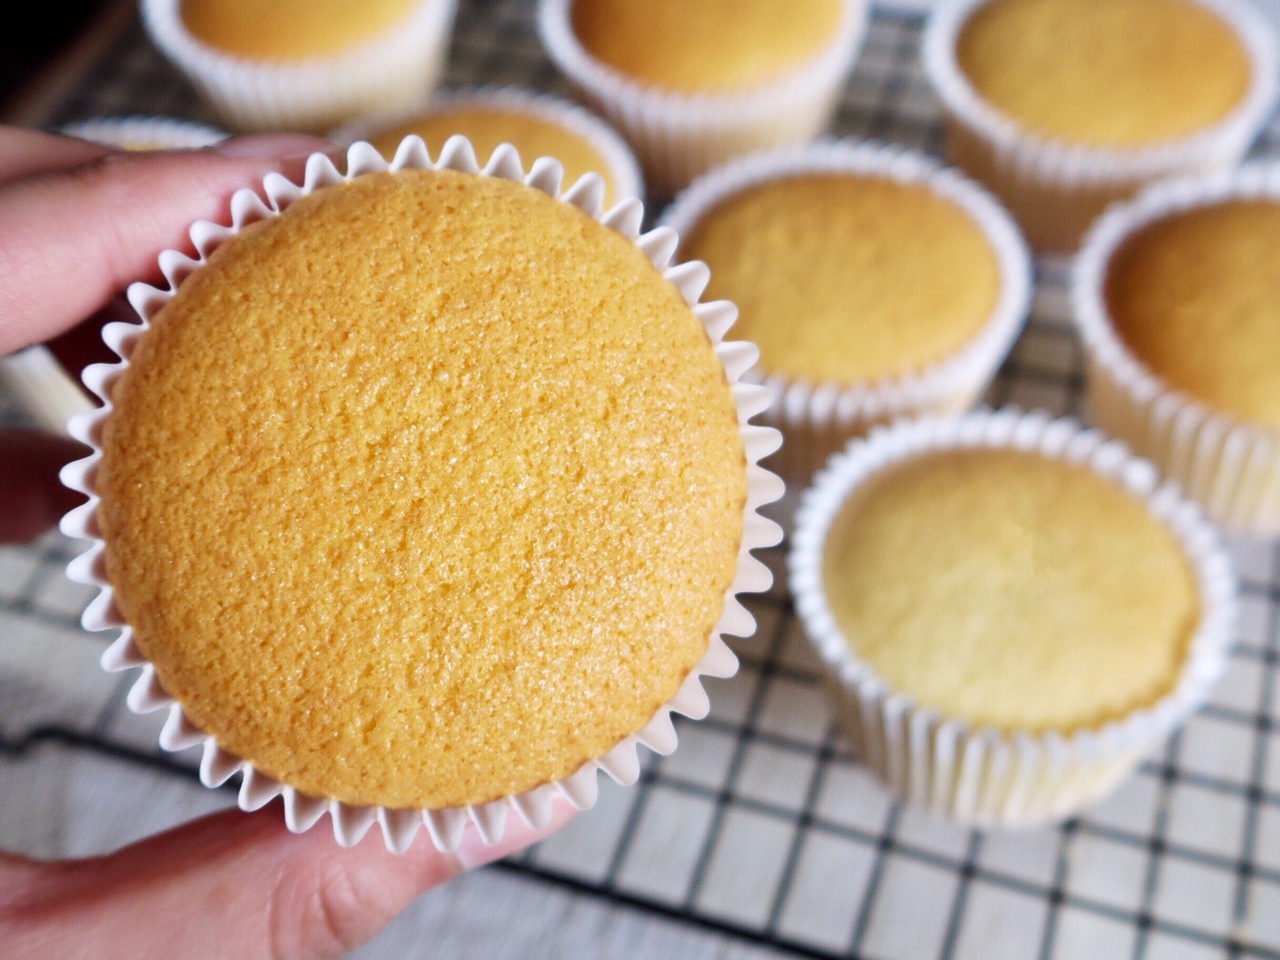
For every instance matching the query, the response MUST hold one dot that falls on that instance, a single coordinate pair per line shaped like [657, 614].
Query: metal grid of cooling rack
[761, 827]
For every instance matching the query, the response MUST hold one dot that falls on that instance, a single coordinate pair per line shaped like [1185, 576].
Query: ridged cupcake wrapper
[818, 418]
[980, 774]
[1056, 189]
[399, 67]
[146, 133]
[623, 168]
[445, 826]
[1230, 466]
[678, 136]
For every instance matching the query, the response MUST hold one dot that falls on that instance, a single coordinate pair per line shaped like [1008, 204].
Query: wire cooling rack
[761, 827]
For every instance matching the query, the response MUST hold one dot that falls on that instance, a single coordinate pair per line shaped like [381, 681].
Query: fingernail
[272, 146]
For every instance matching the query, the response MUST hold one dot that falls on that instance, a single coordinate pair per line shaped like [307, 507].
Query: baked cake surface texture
[708, 46]
[1105, 73]
[1011, 590]
[845, 278]
[424, 492]
[290, 30]
[1195, 296]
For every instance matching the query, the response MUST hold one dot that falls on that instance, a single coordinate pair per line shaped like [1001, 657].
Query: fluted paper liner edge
[622, 163]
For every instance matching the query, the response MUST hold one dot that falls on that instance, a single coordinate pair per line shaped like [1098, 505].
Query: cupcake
[422, 494]
[303, 66]
[876, 282]
[145, 133]
[692, 85]
[1012, 611]
[1063, 106]
[537, 126]
[1177, 299]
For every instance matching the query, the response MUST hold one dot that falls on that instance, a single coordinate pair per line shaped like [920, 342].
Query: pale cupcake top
[290, 29]
[142, 146]
[140, 134]
[1009, 589]
[844, 278]
[488, 127]
[1105, 73]
[707, 46]
[424, 492]
[1195, 296]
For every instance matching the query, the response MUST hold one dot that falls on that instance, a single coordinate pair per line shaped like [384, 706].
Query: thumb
[231, 885]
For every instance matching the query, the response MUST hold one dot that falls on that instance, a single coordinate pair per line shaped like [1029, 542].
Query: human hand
[77, 223]
[231, 885]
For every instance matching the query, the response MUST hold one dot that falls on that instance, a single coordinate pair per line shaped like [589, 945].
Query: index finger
[71, 238]
[26, 152]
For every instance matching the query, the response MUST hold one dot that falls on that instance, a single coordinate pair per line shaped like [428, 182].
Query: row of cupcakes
[1037, 772]
[688, 86]
[1059, 107]
[941, 280]
[1079, 604]
[1125, 537]
[1149, 573]
[880, 284]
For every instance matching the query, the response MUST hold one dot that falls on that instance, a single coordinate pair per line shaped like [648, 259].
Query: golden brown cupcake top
[290, 29]
[489, 127]
[843, 277]
[1009, 589]
[1196, 298]
[707, 46]
[1105, 73]
[424, 492]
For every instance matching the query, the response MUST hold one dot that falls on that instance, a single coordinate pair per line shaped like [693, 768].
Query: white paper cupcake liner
[397, 68]
[981, 774]
[818, 418]
[445, 826]
[623, 170]
[678, 136]
[1055, 189]
[146, 133]
[1231, 466]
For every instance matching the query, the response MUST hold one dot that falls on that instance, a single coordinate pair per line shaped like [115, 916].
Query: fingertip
[271, 146]
[26, 152]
